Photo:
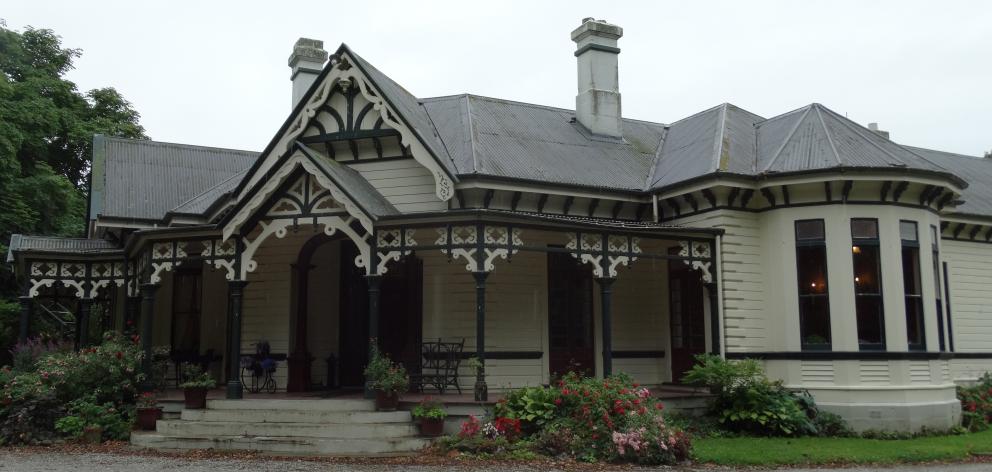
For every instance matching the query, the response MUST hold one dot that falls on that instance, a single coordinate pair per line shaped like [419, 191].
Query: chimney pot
[306, 62]
[597, 105]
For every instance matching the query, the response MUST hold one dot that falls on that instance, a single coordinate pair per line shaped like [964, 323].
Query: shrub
[114, 423]
[25, 355]
[588, 419]
[747, 401]
[31, 402]
[976, 404]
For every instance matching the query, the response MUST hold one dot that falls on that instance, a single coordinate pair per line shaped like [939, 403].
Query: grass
[812, 451]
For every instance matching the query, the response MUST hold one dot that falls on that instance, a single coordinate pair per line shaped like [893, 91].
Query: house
[548, 239]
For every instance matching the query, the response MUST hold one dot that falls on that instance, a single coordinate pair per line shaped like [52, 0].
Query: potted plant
[386, 378]
[148, 411]
[92, 434]
[196, 386]
[430, 417]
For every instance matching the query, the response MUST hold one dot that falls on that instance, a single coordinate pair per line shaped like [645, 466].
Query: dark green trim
[596, 47]
[349, 135]
[850, 355]
[638, 354]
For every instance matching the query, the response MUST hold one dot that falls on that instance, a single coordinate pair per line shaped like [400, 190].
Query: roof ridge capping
[153, 142]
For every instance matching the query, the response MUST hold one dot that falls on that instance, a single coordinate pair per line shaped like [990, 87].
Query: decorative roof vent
[598, 103]
[306, 61]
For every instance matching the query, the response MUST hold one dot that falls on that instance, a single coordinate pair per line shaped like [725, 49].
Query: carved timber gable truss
[346, 114]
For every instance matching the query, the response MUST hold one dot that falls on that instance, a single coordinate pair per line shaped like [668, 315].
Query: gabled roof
[203, 202]
[411, 110]
[359, 190]
[53, 244]
[975, 170]
[143, 179]
[512, 140]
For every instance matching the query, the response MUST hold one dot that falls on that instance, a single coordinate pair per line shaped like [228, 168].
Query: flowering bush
[385, 375]
[31, 402]
[25, 355]
[586, 418]
[976, 404]
[114, 423]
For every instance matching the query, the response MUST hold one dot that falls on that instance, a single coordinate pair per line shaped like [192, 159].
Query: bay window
[811, 270]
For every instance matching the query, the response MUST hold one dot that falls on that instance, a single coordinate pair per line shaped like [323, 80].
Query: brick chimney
[597, 106]
[306, 63]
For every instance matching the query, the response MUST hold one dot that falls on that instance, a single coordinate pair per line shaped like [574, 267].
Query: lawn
[801, 451]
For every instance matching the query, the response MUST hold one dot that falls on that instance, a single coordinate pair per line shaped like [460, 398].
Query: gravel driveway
[53, 461]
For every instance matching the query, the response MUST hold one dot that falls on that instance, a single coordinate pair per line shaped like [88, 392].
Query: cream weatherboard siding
[746, 322]
[405, 183]
[969, 268]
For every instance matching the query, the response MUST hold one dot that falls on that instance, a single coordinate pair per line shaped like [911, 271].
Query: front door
[400, 315]
[570, 323]
[186, 310]
[688, 329]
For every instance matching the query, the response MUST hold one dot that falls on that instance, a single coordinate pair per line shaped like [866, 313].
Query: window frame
[808, 243]
[915, 299]
[876, 243]
[938, 291]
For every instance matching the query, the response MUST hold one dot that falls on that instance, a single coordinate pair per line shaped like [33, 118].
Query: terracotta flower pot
[147, 417]
[196, 398]
[93, 435]
[386, 401]
[431, 427]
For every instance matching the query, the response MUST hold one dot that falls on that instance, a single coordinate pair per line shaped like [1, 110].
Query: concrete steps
[283, 445]
[318, 426]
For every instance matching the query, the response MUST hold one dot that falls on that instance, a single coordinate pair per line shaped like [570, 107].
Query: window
[867, 284]
[811, 270]
[934, 243]
[912, 286]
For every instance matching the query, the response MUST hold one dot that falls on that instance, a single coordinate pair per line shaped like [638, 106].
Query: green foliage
[976, 404]
[33, 399]
[84, 413]
[746, 401]
[46, 135]
[385, 375]
[196, 377]
[611, 420]
[429, 408]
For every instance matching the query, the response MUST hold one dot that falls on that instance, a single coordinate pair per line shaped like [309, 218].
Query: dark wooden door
[400, 315]
[187, 287]
[688, 329]
[570, 322]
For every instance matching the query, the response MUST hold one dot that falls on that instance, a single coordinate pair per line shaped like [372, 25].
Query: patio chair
[439, 366]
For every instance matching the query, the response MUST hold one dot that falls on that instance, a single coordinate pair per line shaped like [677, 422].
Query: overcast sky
[207, 73]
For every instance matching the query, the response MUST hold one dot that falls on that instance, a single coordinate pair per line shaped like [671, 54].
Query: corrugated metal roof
[975, 170]
[353, 184]
[145, 179]
[720, 139]
[500, 138]
[22, 243]
[199, 204]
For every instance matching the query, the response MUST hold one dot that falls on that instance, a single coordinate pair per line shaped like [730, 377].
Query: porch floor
[666, 393]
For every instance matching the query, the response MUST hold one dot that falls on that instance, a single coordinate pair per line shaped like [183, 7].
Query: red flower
[658, 406]
[120, 355]
[557, 401]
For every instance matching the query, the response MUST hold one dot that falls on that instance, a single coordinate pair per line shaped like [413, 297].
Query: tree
[46, 140]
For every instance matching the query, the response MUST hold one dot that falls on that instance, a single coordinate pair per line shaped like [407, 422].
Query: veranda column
[481, 389]
[712, 289]
[147, 319]
[235, 293]
[83, 323]
[606, 298]
[22, 334]
[375, 283]
[299, 360]
[132, 307]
